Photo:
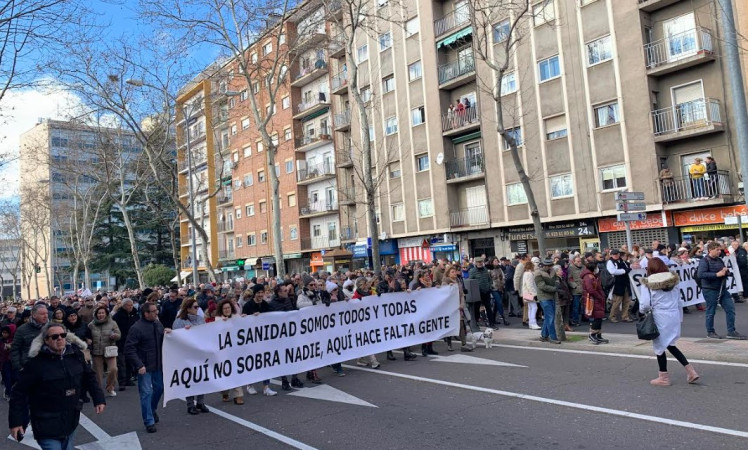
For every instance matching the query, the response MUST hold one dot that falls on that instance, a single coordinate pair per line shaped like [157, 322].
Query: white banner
[225, 354]
[690, 294]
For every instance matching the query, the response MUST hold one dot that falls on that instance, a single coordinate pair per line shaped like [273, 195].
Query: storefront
[482, 246]
[448, 250]
[295, 263]
[316, 262]
[560, 236]
[338, 259]
[414, 249]
[643, 232]
[709, 223]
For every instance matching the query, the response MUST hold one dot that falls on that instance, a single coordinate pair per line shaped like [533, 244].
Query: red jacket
[591, 286]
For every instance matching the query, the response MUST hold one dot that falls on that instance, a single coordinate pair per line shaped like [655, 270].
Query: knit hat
[348, 283]
[330, 286]
[306, 279]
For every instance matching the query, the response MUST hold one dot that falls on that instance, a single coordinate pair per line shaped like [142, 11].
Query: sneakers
[251, 390]
[735, 335]
[543, 339]
[150, 428]
[535, 327]
[375, 365]
[554, 341]
[362, 363]
[295, 382]
[111, 394]
[269, 392]
[340, 373]
[593, 338]
[713, 335]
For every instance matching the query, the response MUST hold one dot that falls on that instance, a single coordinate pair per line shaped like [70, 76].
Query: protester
[545, 283]
[104, 335]
[530, 294]
[187, 318]
[25, 334]
[6, 368]
[125, 318]
[592, 289]
[713, 275]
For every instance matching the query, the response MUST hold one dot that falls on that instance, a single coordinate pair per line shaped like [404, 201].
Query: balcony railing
[455, 69]
[318, 65]
[451, 21]
[316, 135]
[225, 226]
[458, 119]
[340, 80]
[336, 45]
[319, 242]
[347, 195]
[318, 207]
[315, 171]
[678, 46]
[342, 119]
[226, 254]
[197, 162]
[711, 186]
[348, 234]
[223, 198]
[699, 113]
[319, 99]
[477, 215]
[345, 156]
[466, 167]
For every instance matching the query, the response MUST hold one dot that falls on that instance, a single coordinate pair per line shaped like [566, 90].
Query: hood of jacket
[664, 281]
[586, 271]
[38, 343]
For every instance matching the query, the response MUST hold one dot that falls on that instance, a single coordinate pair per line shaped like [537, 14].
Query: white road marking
[260, 429]
[95, 430]
[28, 439]
[551, 401]
[330, 394]
[466, 359]
[128, 441]
[620, 355]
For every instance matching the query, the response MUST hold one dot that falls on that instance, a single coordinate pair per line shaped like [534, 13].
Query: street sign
[628, 206]
[629, 195]
[632, 217]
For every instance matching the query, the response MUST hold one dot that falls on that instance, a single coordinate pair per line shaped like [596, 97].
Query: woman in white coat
[530, 294]
[659, 294]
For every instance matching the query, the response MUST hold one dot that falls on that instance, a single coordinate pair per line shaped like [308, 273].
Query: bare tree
[36, 230]
[12, 243]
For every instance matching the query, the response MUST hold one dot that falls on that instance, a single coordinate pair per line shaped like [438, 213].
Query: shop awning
[315, 114]
[466, 137]
[451, 39]
[184, 276]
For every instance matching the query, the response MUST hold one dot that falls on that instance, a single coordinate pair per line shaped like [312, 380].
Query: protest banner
[229, 353]
[690, 293]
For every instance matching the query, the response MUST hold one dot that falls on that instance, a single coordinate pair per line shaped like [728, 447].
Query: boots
[409, 356]
[430, 349]
[691, 374]
[663, 379]
[601, 339]
[390, 356]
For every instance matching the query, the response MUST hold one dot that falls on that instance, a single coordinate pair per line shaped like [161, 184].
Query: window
[585, 2]
[247, 151]
[362, 53]
[277, 170]
[267, 48]
[263, 207]
[613, 177]
[332, 231]
[260, 176]
[381, 3]
[275, 139]
[233, 129]
[543, 12]
[316, 230]
[243, 95]
[549, 68]
[245, 123]
[395, 170]
[606, 115]
[237, 184]
[515, 194]
[366, 94]
[390, 126]
[385, 41]
[263, 237]
[425, 208]
[293, 232]
[255, 87]
[418, 115]
[282, 73]
[238, 213]
[555, 127]
[253, 58]
[260, 146]
[235, 156]
[289, 166]
[516, 134]
[561, 186]
[509, 83]
[398, 212]
[599, 50]
[422, 162]
[501, 31]
[248, 180]
[250, 210]
[371, 133]
[388, 84]
[286, 102]
[251, 239]
[239, 241]
[282, 39]
[291, 200]
[415, 71]
[287, 134]
[412, 27]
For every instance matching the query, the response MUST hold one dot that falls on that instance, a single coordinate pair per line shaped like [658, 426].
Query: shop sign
[518, 246]
[360, 251]
[713, 227]
[410, 242]
[707, 216]
[611, 224]
[444, 248]
[292, 256]
[554, 230]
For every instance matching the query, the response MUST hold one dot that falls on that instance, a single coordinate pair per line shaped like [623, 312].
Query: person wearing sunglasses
[53, 381]
[187, 318]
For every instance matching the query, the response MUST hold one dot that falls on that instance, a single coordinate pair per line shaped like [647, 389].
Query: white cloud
[20, 110]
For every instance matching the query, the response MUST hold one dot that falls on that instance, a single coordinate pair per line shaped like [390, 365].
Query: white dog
[486, 336]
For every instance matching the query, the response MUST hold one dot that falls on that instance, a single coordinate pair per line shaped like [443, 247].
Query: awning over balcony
[314, 115]
[184, 276]
[451, 39]
[466, 137]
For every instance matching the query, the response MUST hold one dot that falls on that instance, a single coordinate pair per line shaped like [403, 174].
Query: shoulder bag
[646, 328]
[110, 351]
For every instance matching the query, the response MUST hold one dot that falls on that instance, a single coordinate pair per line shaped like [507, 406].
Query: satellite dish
[440, 158]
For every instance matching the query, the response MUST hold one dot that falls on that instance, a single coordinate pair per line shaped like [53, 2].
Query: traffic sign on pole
[629, 206]
[624, 195]
[630, 217]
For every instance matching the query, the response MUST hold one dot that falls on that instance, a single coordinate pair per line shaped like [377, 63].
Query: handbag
[646, 328]
[110, 351]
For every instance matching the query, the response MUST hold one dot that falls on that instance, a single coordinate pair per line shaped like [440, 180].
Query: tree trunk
[133, 245]
[275, 189]
[86, 275]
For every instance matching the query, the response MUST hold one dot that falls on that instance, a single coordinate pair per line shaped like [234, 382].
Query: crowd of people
[104, 343]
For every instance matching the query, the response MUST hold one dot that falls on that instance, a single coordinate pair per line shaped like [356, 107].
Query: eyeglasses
[55, 337]
[193, 307]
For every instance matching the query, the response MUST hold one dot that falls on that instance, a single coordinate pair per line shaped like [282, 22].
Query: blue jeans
[150, 388]
[498, 301]
[549, 319]
[711, 297]
[54, 444]
[698, 187]
[576, 305]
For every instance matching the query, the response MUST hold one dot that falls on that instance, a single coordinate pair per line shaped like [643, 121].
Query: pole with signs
[630, 201]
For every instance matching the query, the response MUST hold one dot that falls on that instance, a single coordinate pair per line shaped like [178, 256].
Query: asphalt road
[548, 399]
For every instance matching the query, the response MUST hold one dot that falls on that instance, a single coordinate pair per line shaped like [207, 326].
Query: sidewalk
[725, 350]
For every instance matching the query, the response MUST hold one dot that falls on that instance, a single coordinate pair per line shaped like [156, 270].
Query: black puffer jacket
[125, 320]
[143, 346]
[25, 334]
[51, 386]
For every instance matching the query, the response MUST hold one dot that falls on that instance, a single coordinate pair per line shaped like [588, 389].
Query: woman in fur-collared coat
[659, 294]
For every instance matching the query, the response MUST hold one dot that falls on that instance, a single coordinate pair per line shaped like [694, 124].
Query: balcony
[316, 172]
[315, 138]
[226, 254]
[456, 73]
[318, 208]
[348, 234]
[711, 188]
[694, 118]
[466, 169]
[335, 9]
[336, 46]
[224, 227]
[470, 217]
[461, 121]
[309, 36]
[310, 73]
[184, 166]
[319, 242]
[453, 21]
[347, 196]
[679, 51]
[654, 5]
[224, 199]
[340, 83]
[342, 121]
[312, 105]
[345, 157]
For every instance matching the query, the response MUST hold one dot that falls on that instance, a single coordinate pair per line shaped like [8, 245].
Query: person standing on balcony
[460, 113]
[697, 171]
[666, 180]
[712, 184]
[468, 116]
[451, 116]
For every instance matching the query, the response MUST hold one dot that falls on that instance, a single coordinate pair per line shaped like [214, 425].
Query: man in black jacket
[51, 384]
[169, 309]
[619, 269]
[713, 276]
[143, 352]
[125, 317]
[19, 352]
